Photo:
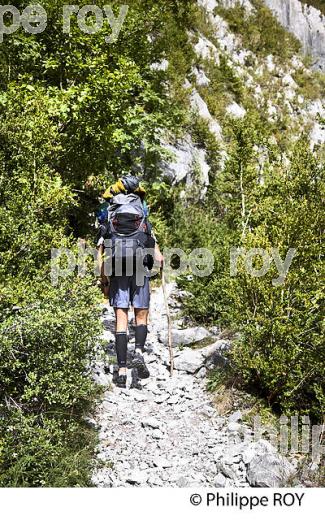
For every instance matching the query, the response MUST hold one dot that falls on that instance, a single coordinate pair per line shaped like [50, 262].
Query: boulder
[265, 466]
[215, 355]
[189, 361]
[218, 347]
[185, 336]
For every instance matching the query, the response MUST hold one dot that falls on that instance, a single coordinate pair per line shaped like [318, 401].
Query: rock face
[188, 164]
[306, 23]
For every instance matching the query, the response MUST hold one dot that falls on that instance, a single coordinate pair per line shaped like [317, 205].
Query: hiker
[129, 233]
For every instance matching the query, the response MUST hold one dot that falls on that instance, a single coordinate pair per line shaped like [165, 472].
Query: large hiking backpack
[129, 231]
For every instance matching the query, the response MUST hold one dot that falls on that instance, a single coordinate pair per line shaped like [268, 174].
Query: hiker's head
[126, 184]
[130, 183]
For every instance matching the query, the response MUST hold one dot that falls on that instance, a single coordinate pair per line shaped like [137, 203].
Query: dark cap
[131, 183]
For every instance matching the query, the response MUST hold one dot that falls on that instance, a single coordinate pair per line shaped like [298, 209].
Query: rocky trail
[168, 432]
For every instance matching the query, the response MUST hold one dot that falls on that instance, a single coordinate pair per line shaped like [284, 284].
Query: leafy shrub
[280, 349]
[46, 351]
[45, 451]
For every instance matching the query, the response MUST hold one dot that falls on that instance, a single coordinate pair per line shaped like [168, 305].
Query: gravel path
[168, 433]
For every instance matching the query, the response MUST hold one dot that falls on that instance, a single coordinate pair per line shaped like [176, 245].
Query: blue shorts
[124, 292]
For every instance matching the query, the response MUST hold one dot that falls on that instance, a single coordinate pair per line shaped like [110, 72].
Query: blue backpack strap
[145, 209]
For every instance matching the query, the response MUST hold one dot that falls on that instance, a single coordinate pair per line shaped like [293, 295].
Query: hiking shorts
[124, 292]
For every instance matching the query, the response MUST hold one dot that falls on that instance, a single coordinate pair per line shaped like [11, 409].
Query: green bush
[280, 349]
[46, 349]
[45, 451]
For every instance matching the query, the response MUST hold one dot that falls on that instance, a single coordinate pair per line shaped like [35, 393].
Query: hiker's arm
[158, 255]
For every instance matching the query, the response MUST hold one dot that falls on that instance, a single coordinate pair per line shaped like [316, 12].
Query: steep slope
[238, 71]
[307, 23]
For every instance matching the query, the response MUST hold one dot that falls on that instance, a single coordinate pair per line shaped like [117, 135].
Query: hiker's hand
[159, 259]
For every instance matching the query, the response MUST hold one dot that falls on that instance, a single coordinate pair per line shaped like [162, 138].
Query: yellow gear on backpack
[119, 187]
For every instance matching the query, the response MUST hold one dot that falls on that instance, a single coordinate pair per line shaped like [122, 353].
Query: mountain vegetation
[76, 112]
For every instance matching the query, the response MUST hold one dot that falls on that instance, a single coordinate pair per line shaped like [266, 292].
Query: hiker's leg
[140, 299]
[141, 316]
[141, 302]
[121, 316]
[121, 340]
[141, 328]
[119, 295]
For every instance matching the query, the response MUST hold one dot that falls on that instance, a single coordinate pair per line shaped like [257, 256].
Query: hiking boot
[135, 383]
[120, 381]
[139, 364]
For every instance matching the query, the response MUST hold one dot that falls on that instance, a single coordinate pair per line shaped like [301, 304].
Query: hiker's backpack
[129, 231]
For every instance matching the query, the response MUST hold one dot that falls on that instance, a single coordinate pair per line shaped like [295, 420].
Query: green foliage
[281, 347]
[224, 87]
[311, 84]
[255, 204]
[45, 451]
[161, 200]
[46, 352]
[45, 349]
[76, 112]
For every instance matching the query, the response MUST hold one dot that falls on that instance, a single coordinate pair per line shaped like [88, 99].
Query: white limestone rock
[206, 50]
[201, 78]
[236, 111]
[306, 23]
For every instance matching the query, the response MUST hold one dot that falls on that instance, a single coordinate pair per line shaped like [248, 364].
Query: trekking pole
[169, 321]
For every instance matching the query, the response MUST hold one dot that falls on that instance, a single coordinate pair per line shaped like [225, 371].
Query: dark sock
[141, 332]
[121, 345]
